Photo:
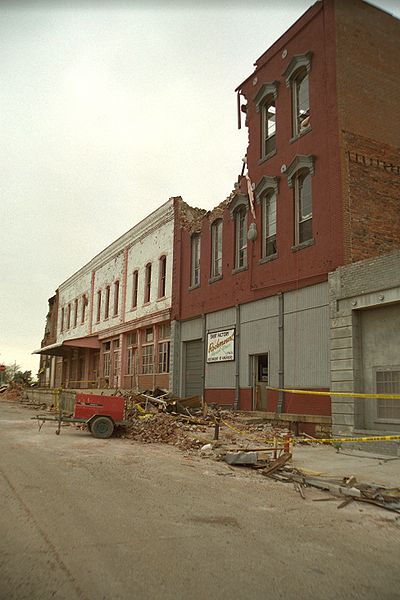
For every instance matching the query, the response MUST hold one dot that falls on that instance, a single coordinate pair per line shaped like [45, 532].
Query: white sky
[107, 110]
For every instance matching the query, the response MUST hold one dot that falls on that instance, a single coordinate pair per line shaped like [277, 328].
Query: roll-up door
[194, 367]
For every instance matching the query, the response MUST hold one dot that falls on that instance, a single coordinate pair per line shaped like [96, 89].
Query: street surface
[113, 519]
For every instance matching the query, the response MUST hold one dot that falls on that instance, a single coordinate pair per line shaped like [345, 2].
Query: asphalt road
[110, 519]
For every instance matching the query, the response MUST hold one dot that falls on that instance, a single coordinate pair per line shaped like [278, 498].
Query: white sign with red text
[221, 346]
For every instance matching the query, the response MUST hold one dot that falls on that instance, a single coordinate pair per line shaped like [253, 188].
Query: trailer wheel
[102, 427]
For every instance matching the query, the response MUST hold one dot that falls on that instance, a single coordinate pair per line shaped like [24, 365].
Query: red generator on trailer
[101, 414]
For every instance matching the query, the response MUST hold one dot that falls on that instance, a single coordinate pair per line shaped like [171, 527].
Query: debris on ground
[12, 392]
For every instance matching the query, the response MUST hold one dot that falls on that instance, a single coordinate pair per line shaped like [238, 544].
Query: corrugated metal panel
[221, 319]
[193, 368]
[309, 297]
[221, 375]
[307, 348]
[259, 337]
[191, 330]
[268, 307]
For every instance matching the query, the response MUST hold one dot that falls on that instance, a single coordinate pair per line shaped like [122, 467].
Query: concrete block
[343, 364]
[342, 386]
[342, 375]
[341, 332]
[344, 342]
[341, 353]
[241, 458]
[342, 408]
[343, 321]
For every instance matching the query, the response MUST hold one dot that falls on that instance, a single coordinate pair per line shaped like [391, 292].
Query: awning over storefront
[64, 348]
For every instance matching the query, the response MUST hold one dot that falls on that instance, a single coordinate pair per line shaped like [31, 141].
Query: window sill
[300, 134]
[161, 298]
[239, 270]
[268, 259]
[133, 308]
[266, 157]
[146, 303]
[193, 287]
[214, 279]
[305, 244]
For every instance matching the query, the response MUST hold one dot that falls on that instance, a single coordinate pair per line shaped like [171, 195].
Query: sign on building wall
[221, 346]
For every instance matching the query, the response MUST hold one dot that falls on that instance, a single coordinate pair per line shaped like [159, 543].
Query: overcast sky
[106, 110]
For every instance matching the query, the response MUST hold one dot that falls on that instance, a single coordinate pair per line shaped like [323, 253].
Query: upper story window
[116, 298]
[76, 312]
[147, 283]
[135, 281]
[68, 316]
[299, 175]
[268, 224]
[241, 237]
[195, 260]
[303, 201]
[297, 78]
[266, 106]
[98, 306]
[107, 303]
[62, 319]
[216, 248]
[84, 305]
[162, 275]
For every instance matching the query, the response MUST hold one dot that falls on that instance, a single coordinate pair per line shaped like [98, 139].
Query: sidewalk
[365, 466]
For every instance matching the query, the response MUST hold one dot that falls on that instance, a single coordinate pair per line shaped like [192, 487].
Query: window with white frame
[163, 357]
[216, 248]
[240, 216]
[299, 174]
[106, 359]
[268, 127]
[268, 224]
[195, 260]
[131, 356]
[303, 207]
[297, 78]
[62, 319]
[265, 102]
[68, 316]
[147, 359]
[388, 382]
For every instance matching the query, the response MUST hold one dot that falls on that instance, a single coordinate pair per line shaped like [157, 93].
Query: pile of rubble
[165, 429]
[12, 392]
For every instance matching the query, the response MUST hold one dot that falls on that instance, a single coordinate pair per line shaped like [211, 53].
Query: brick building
[252, 305]
[222, 303]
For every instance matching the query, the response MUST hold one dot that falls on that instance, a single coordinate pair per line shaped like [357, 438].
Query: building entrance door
[260, 370]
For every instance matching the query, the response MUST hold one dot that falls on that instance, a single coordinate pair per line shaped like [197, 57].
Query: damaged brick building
[247, 299]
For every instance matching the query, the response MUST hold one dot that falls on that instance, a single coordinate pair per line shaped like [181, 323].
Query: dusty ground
[111, 519]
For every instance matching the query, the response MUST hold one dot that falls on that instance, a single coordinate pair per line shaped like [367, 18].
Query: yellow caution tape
[372, 438]
[328, 393]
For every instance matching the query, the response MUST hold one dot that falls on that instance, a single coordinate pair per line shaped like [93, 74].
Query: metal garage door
[194, 368]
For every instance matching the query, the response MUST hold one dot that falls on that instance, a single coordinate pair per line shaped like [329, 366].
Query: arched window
[147, 283]
[268, 224]
[297, 78]
[116, 298]
[240, 237]
[303, 202]
[107, 305]
[162, 274]
[216, 248]
[195, 260]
